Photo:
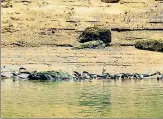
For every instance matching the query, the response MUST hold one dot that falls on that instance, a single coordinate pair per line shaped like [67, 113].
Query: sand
[113, 59]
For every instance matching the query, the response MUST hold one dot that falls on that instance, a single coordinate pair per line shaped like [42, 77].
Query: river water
[128, 98]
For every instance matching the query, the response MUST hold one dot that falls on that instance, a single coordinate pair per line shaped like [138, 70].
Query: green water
[82, 99]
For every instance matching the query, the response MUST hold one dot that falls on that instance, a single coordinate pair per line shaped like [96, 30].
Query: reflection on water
[128, 98]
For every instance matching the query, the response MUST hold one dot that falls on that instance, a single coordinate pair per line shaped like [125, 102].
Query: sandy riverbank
[117, 59]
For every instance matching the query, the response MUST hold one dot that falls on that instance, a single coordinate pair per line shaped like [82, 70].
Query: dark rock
[95, 34]
[19, 44]
[151, 44]
[110, 1]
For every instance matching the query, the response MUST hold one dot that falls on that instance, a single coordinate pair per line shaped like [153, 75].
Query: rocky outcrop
[95, 34]
[94, 37]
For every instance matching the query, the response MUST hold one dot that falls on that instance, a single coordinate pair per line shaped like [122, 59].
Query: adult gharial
[50, 75]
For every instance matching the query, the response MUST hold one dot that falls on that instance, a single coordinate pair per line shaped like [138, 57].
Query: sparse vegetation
[6, 4]
[9, 28]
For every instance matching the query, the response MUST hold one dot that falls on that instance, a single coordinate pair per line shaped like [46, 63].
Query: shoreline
[117, 59]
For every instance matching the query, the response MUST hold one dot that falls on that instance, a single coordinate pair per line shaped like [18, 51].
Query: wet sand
[117, 59]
